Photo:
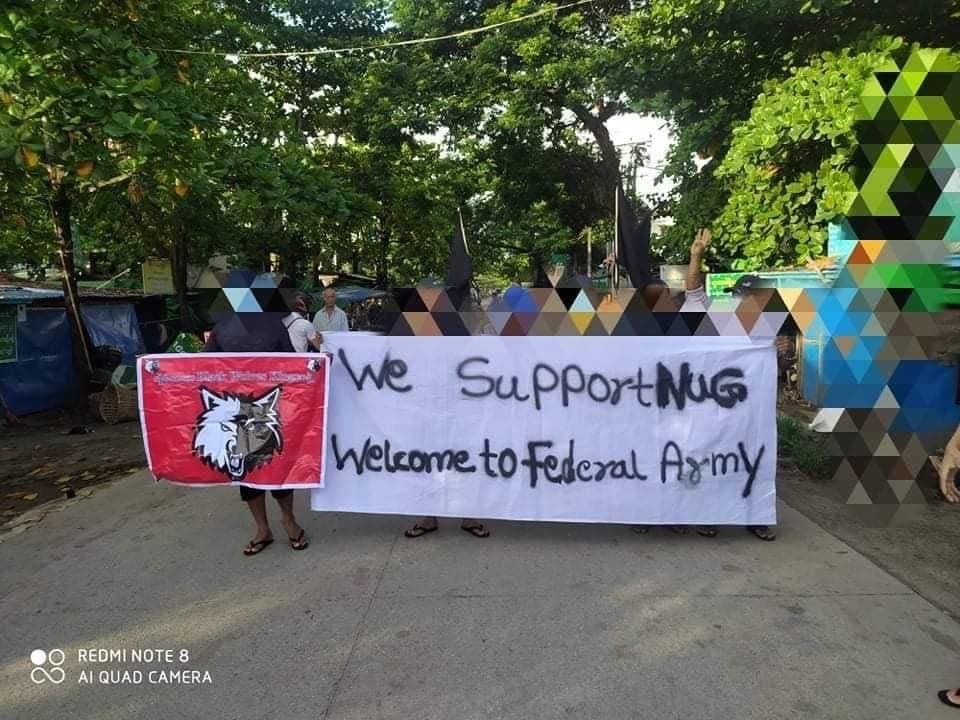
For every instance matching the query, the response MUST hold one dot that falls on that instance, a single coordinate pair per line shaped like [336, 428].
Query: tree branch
[108, 183]
[511, 248]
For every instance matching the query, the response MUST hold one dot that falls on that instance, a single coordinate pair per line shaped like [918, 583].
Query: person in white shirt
[303, 336]
[330, 318]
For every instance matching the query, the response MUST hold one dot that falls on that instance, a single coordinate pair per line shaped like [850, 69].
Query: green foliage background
[787, 169]
[359, 161]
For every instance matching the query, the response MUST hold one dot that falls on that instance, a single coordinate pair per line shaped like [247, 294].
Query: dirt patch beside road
[916, 543]
[40, 460]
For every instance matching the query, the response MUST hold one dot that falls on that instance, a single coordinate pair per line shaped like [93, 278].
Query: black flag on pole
[634, 241]
[459, 266]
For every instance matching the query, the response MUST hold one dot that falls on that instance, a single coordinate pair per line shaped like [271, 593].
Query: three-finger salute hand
[701, 242]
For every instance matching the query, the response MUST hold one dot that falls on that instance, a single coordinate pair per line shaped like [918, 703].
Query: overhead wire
[380, 46]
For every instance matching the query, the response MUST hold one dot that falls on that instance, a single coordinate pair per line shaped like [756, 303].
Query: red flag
[235, 418]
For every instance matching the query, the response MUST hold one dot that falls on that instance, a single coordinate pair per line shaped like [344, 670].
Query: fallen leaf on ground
[62, 480]
[30, 496]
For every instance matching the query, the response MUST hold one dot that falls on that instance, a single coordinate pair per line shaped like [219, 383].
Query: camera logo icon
[41, 660]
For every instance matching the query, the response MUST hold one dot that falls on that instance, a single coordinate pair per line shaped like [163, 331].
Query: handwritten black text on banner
[605, 429]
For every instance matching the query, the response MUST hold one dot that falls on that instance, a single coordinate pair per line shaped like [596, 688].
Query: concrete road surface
[537, 621]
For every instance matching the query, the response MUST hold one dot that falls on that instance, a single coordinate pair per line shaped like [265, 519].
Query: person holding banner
[695, 299]
[259, 332]
[303, 335]
[430, 524]
[479, 325]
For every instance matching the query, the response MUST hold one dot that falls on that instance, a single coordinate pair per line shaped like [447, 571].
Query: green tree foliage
[84, 107]
[703, 63]
[531, 103]
[787, 167]
[107, 130]
[93, 110]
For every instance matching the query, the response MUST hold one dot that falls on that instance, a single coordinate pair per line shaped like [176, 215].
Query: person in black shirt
[259, 332]
[250, 332]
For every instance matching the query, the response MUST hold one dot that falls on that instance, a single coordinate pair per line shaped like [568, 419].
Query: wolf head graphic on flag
[236, 434]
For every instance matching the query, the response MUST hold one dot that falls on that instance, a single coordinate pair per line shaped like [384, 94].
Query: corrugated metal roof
[16, 295]
[20, 291]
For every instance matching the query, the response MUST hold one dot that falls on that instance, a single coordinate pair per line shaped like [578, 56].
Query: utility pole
[589, 252]
[615, 271]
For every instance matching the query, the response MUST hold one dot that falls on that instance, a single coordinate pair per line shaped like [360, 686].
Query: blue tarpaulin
[42, 376]
[115, 325]
[349, 294]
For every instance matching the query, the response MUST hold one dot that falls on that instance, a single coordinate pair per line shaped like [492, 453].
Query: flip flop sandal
[641, 529]
[476, 530]
[708, 532]
[764, 533]
[255, 548]
[946, 700]
[300, 543]
[418, 531]
[679, 529]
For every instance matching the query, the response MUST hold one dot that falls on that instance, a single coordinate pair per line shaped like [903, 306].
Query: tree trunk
[295, 260]
[60, 208]
[301, 135]
[179, 261]
[540, 278]
[382, 257]
[609, 156]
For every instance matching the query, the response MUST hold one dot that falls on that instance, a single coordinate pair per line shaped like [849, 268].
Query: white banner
[580, 429]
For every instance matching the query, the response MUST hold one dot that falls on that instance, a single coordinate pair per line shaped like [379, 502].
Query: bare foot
[294, 531]
[475, 528]
[257, 545]
[950, 697]
[423, 526]
[763, 532]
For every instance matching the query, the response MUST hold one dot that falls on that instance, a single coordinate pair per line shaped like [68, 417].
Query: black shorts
[248, 493]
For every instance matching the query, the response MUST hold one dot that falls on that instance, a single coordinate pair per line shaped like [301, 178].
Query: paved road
[538, 621]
